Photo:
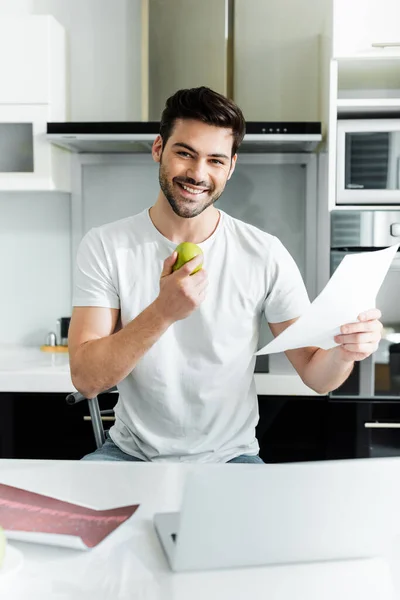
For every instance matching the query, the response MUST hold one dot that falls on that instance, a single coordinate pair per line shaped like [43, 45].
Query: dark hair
[203, 104]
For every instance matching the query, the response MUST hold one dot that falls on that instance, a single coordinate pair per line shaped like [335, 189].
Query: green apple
[186, 251]
[2, 546]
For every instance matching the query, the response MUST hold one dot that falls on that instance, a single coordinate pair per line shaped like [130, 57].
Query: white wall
[35, 265]
[15, 7]
[104, 54]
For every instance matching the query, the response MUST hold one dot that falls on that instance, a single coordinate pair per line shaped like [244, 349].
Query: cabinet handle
[386, 44]
[88, 418]
[375, 425]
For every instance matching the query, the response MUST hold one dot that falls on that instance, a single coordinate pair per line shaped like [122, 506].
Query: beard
[182, 206]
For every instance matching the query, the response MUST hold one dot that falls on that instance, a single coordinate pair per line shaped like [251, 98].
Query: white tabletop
[130, 564]
[28, 369]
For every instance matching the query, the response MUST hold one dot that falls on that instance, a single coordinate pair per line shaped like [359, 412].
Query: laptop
[246, 514]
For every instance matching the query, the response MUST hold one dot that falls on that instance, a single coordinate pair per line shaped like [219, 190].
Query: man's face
[195, 165]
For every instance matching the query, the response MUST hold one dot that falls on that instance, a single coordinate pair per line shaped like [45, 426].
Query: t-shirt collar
[203, 245]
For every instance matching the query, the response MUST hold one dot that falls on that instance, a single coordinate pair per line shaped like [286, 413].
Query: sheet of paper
[351, 290]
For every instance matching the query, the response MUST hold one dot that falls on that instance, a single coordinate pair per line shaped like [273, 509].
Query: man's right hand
[180, 292]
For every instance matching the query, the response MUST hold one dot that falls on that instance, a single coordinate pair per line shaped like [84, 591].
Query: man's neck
[178, 229]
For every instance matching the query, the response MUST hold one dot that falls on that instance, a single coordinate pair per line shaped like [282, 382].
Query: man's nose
[198, 172]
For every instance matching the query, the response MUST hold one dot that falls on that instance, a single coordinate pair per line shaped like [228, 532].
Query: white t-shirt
[192, 396]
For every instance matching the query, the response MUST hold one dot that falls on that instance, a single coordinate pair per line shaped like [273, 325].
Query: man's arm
[101, 357]
[325, 370]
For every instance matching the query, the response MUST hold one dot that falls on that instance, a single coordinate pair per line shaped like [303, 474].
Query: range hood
[137, 137]
[216, 43]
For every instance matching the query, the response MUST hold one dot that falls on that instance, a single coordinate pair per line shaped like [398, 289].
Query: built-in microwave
[368, 161]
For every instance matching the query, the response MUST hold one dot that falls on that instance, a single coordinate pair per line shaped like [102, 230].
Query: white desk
[130, 564]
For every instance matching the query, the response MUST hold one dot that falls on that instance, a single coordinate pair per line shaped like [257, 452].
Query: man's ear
[233, 165]
[157, 148]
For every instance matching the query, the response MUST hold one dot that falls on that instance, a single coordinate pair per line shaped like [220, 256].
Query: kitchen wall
[35, 265]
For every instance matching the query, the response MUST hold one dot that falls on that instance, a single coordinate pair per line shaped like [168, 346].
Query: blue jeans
[110, 451]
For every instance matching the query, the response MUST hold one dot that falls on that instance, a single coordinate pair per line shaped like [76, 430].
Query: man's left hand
[359, 340]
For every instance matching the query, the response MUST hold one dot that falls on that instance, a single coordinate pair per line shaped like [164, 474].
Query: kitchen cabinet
[27, 160]
[364, 74]
[304, 428]
[183, 61]
[32, 61]
[264, 55]
[43, 426]
[378, 429]
[32, 92]
[359, 24]
[277, 59]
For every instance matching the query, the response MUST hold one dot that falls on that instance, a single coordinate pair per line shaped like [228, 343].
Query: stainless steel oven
[377, 377]
[374, 385]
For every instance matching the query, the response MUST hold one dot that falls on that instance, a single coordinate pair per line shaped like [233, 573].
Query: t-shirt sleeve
[287, 297]
[93, 280]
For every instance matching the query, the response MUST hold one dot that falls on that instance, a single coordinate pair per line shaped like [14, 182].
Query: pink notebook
[30, 517]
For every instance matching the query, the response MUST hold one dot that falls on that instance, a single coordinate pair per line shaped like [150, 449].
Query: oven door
[368, 161]
[377, 377]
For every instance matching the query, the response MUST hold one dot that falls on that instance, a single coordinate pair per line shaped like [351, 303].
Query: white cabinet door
[32, 61]
[358, 24]
[27, 160]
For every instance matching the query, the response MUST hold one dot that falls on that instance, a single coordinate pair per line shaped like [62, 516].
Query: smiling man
[180, 347]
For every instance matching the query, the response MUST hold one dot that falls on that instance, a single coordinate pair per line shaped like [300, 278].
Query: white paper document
[351, 290]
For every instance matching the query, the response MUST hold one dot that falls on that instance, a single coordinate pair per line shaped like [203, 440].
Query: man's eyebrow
[185, 146]
[216, 155]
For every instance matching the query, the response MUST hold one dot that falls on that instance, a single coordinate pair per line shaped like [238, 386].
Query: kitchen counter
[28, 369]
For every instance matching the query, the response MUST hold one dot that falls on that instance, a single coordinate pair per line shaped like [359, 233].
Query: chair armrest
[76, 397]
